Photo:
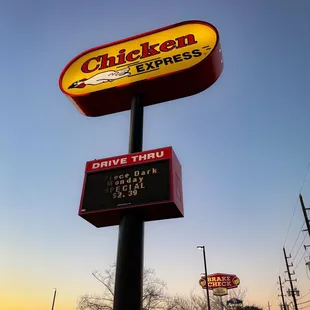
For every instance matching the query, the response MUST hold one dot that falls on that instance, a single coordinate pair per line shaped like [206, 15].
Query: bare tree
[155, 295]
[154, 292]
[251, 307]
[199, 302]
[190, 302]
[239, 293]
[94, 302]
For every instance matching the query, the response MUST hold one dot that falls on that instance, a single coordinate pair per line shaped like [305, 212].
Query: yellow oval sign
[139, 58]
[220, 291]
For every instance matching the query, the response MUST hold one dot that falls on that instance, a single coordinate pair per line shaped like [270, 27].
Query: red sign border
[172, 208]
[130, 39]
[216, 275]
[167, 155]
[172, 86]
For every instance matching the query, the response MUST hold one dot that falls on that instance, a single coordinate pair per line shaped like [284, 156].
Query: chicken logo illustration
[103, 77]
[236, 281]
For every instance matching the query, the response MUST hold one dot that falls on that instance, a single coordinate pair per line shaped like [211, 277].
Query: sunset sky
[244, 146]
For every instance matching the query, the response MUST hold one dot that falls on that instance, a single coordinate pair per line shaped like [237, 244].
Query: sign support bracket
[129, 265]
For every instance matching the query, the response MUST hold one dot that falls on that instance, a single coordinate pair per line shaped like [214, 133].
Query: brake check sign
[220, 280]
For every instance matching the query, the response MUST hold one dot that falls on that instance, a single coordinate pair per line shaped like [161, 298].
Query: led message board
[150, 182]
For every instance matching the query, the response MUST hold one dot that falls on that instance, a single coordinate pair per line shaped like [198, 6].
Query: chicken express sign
[161, 65]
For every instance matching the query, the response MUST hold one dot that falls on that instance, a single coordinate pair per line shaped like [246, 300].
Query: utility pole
[290, 279]
[54, 297]
[281, 289]
[206, 275]
[304, 211]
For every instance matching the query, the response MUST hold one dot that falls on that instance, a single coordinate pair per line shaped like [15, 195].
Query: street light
[54, 298]
[206, 273]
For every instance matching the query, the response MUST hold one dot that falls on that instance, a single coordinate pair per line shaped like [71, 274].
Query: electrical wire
[292, 218]
[273, 300]
[300, 261]
[299, 248]
[274, 294]
[275, 290]
[303, 296]
[304, 180]
[297, 237]
[301, 303]
[296, 204]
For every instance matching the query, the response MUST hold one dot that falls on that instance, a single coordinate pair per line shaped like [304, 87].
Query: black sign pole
[129, 265]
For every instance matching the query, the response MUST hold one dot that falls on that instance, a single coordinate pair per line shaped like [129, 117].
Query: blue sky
[243, 145]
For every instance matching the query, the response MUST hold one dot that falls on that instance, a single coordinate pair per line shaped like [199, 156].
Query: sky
[243, 145]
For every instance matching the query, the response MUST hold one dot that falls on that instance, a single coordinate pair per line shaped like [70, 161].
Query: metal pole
[304, 211]
[206, 274]
[129, 265]
[290, 280]
[54, 299]
[283, 302]
[222, 304]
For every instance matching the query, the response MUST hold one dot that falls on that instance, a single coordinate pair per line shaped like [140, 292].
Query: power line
[292, 218]
[296, 204]
[274, 294]
[299, 248]
[297, 237]
[301, 303]
[303, 296]
[300, 261]
[304, 180]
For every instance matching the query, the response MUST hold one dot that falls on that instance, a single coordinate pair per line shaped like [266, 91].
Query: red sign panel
[150, 182]
[218, 280]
